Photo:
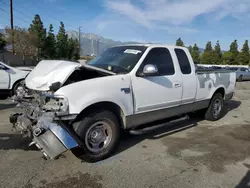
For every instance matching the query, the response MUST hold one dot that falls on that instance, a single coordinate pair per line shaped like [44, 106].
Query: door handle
[177, 85]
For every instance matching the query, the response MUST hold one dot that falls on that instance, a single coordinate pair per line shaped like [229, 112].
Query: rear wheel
[99, 133]
[215, 109]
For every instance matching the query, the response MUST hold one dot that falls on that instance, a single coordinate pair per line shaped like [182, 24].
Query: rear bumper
[229, 96]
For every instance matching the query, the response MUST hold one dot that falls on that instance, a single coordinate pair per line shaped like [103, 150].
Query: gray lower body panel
[149, 117]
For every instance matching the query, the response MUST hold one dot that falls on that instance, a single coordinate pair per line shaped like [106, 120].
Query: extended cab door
[159, 91]
[4, 78]
[189, 80]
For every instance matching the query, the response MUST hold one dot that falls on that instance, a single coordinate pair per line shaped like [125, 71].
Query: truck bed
[212, 70]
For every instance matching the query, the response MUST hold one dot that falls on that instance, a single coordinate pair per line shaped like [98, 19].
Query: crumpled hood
[25, 68]
[49, 71]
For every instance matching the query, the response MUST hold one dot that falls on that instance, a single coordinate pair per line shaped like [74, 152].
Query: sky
[156, 21]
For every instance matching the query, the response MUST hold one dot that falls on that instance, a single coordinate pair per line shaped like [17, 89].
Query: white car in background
[12, 77]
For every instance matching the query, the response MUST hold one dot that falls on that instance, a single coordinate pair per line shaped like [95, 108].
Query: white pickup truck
[85, 107]
[11, 77]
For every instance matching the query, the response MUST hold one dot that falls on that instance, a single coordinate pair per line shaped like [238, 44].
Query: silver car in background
[242, 73]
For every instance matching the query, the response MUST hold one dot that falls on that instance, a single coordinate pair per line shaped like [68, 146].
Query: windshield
[120, 59]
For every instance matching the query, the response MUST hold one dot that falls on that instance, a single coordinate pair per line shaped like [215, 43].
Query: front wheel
[16, 86]
[215, 109]
[240, 79]
[99, 133]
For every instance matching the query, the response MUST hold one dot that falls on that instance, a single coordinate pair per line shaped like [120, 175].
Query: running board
[150, 128]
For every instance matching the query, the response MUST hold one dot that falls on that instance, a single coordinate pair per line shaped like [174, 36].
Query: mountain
[92, 44]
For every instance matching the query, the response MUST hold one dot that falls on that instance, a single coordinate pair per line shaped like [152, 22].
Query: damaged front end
[28, 107]
[44, 116]
[37, 120]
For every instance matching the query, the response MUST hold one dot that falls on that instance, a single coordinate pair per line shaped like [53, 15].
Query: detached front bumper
[51, 138]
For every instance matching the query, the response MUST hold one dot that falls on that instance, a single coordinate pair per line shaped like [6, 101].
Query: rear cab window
[183, 61]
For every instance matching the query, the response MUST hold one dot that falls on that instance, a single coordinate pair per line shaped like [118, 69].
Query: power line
[55, 18]
[30, 1]
[13, 16]
[15, 9]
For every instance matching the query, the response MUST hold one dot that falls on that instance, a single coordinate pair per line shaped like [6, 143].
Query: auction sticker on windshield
[131, 51]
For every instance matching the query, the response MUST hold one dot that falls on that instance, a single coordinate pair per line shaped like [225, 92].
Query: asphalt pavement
[194, 153]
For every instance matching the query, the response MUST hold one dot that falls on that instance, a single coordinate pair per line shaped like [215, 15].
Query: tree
[179, 42]
[73, 49]
[244, 56]
[50, 45]
[217, 53]
[208, 56]
[2, 42]
[227, 58]
[209, 47]
[195, 53]
[62, 43]
[39, 32]
[190, 48]
[23, 41]
[234, 50]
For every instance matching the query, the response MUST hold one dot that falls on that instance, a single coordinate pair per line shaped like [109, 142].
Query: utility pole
[12, 25]
[79, 39]
[92, 47]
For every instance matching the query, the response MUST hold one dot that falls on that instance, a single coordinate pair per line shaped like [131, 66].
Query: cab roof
[153, 45]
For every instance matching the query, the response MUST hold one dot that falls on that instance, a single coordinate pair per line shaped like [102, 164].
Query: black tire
[240, 79]
[83, 127]
[15, 87]
[211, 114]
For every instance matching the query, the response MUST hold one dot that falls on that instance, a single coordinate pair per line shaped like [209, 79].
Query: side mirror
[149, 70]
[55, 86]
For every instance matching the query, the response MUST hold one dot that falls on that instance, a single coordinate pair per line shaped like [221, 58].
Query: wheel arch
[240, 77]
[105, 105]
[220, 90]
[17, 81]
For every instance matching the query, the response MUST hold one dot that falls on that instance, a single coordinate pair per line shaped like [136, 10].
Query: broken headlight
[63, 104]
[57, 104]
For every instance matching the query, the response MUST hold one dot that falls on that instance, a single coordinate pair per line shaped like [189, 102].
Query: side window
[162, 58]
[243, 69]
[183, 61]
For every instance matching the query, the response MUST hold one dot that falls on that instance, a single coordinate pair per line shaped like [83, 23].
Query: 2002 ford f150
[67, 105]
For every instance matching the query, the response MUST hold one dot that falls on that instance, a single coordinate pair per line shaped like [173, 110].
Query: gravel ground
[194, 153]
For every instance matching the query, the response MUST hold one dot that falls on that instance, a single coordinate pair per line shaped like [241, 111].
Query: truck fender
[110, 105]
[220, 89]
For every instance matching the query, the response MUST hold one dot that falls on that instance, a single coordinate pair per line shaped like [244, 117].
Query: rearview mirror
[149, 70]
